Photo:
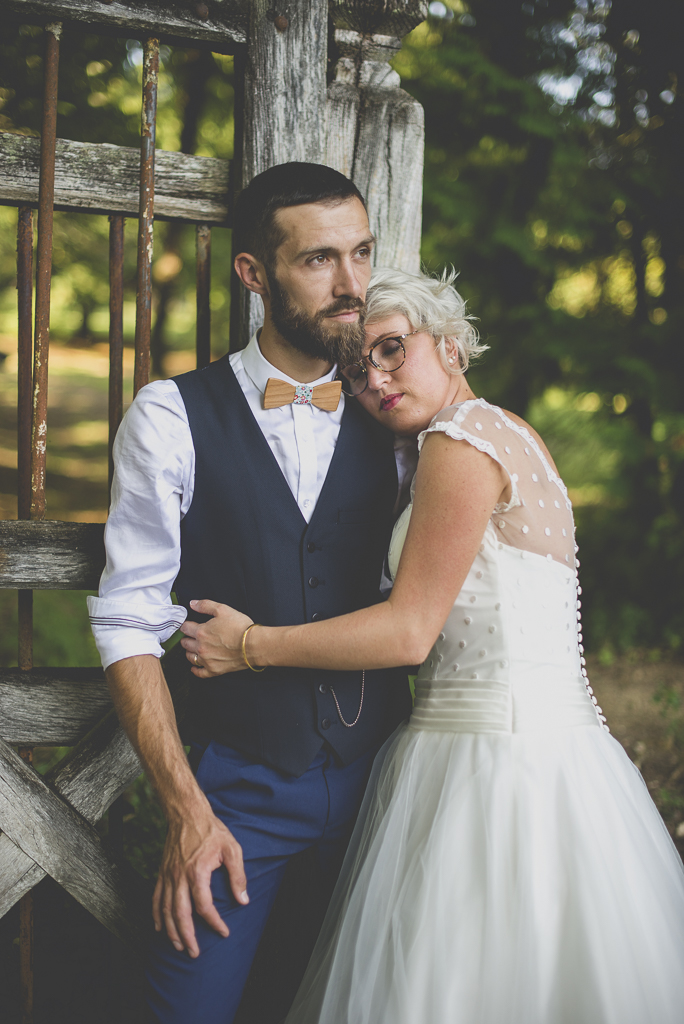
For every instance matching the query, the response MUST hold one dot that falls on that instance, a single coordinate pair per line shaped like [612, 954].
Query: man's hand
[197, 842]
[216, 643]
[195, 846]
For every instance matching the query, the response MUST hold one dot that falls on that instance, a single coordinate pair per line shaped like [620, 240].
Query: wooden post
[375, 129]
[283, 115]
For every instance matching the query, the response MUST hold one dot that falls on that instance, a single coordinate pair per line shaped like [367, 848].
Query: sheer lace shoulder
[480, 425]
[538, 515]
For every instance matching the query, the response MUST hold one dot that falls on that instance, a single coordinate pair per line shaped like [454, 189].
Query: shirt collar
[258, 368]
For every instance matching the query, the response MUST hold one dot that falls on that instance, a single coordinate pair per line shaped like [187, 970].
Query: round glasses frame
[369, 359]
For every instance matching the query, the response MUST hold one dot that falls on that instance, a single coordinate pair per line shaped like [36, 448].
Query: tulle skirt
[503, 879]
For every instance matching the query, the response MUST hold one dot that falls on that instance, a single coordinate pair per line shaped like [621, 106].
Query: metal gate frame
[364, 125]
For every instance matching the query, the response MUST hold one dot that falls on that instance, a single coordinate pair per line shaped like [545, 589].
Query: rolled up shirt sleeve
[154, 473]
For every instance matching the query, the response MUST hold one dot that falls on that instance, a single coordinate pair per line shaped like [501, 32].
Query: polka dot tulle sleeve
[534, 513]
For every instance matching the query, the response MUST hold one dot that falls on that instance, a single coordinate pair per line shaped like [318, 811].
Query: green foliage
[144, 828]
[99, 101]
[564, 218]
[61, 630]
[670, 796]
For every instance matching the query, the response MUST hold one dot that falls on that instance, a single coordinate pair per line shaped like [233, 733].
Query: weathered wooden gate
[361, 123]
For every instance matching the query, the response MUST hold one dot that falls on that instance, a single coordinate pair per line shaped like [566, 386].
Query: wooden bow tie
[323, 396]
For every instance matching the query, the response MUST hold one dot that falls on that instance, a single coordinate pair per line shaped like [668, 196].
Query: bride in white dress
[508, 865]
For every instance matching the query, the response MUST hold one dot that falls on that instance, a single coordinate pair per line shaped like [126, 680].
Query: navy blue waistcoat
[244, 542]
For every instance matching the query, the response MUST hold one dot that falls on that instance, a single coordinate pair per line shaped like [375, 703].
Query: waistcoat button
[315, 617]
[313, 581]
[311, 547]
[325, 724]
[322, 688]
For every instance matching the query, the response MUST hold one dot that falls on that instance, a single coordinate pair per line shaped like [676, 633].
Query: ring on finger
[196, 659]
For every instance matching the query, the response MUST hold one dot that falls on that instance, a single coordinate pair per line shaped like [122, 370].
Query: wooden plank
[101, 178]
[51, 706]
[178, 22]
[284, 102]
[390, 176]
[90, 778]
[376, 137]
[18, 874]
[66, 846]
[378, 16]
[50, 555]
[95, 774]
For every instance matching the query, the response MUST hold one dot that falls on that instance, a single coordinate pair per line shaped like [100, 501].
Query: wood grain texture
[66, 846]
[50, 555]
[172, 22]
[395, 17]
[90, 778]
[18, 874]
[284, 103]
[101, 178]
[51, 706]
[376, 137]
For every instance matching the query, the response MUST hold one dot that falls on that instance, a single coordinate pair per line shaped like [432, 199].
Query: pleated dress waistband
[494, 706]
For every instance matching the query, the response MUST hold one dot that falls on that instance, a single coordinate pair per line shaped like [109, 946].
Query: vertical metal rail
[116, 254]
[46, 202]
[31, 489]
[25, 597]
[24, 399]
[143, 309]
[25, 357]
[203, 343]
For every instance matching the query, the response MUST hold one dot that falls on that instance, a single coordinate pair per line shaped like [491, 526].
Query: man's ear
[252, 273]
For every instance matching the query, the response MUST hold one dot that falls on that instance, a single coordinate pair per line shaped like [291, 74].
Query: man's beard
[311, 335]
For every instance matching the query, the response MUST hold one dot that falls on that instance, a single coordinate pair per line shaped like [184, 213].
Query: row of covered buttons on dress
[583, 661]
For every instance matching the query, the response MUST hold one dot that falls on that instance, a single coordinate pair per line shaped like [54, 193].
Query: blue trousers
[272, 816]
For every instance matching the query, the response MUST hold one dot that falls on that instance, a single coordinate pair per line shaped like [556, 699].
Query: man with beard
[253, 482]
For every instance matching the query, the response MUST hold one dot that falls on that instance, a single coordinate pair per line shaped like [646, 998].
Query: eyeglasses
[388, 355]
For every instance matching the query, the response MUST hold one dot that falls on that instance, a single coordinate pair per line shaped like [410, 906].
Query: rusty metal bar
[38, 445]
[116, 277]
[24, 392]
[46, 196]
[26, 938]
[203, 238]
[25, 358]
[143, 306]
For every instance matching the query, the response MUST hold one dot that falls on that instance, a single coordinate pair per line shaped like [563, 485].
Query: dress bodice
[509, 657]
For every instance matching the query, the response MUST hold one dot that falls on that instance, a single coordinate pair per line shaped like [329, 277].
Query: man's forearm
[145, 709]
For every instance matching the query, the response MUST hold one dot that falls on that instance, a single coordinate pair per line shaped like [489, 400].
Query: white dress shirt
[152, 490]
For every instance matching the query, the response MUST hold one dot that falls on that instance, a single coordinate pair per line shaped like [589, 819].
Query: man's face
[319, 279]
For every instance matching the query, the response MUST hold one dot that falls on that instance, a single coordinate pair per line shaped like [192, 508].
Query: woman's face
[406, 400]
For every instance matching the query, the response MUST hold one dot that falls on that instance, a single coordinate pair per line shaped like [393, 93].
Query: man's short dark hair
[293, 184]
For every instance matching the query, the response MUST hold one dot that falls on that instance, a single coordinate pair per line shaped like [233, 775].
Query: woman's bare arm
[457, 488]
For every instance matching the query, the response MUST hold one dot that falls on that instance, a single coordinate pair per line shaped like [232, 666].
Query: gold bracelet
[244, 652]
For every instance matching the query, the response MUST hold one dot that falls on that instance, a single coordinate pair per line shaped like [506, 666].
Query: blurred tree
[553, 148]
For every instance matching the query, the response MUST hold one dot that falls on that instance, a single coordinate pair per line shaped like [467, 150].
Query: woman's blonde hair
[429, 302]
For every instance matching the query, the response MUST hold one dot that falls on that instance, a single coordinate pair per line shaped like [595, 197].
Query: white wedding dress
[508, 865]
